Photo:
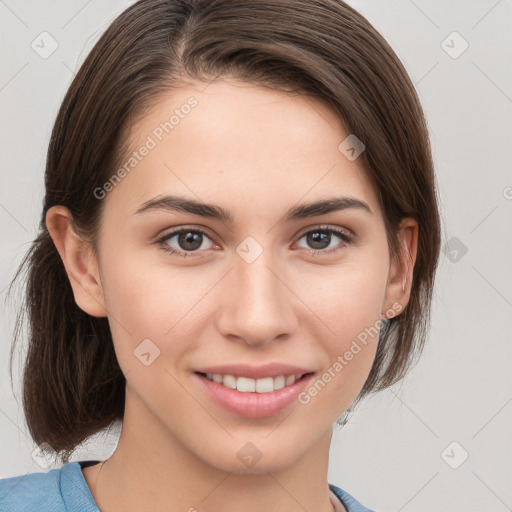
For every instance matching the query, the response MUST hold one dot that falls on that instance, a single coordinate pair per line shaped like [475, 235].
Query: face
[266, 281]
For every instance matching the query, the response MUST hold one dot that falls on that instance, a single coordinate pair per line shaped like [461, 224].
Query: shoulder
[351, 504]
[58, 490]
[34, 491]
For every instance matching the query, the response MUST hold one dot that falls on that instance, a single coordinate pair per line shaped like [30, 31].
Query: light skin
[256, 153]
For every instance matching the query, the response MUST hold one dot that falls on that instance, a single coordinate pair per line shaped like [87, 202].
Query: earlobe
[79, 261]
[401, 269]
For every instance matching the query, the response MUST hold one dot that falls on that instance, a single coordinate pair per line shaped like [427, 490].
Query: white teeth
[229, 381]
[264, 385]
[245, 385]
[248, 385]
[279, 382]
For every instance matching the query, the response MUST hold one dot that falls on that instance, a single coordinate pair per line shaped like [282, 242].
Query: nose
[257, 305]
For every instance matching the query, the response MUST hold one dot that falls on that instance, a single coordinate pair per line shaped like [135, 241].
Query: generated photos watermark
[343, 360]
[152, 140]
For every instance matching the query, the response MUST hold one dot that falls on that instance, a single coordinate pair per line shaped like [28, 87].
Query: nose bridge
[258, 285]
[259, 307]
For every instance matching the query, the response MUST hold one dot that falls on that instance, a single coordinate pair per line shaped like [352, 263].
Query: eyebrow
[303, 211]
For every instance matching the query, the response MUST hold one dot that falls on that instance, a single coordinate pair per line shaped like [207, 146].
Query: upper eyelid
[177, 230]
[327, 227]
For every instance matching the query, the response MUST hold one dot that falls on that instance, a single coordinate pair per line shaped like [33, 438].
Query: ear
[398, 288]
[79, 261]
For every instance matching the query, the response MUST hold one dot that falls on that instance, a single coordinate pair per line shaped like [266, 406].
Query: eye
[322, 240]
[187, 241]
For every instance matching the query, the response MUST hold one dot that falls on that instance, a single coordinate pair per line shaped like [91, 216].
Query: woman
[238, 243]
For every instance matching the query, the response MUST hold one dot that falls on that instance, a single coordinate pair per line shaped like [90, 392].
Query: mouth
[253, 398]
[250, 385]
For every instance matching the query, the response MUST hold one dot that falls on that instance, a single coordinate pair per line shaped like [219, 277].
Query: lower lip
[253, 405]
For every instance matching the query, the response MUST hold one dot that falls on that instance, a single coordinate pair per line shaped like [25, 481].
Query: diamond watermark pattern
[44, 45]
[146, 352]
[454, 455]
[351, 147]
[454, 249]
[454, 45]
[249, 455]
[44, 455]
[249, 250]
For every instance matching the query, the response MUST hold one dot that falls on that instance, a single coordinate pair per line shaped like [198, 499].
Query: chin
[260, 455]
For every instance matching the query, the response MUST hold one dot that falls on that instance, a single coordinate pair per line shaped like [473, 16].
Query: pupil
[190, 240]
[319, 237]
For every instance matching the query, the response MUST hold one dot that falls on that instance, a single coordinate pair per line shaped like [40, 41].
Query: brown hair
[73, 386]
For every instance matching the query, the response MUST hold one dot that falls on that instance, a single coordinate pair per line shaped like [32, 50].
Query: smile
[251, 397]
[249, 385]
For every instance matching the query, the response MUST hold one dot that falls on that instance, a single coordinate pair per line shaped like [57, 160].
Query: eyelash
[347, 239]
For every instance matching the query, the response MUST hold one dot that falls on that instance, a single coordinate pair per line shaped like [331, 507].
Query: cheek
[152, 301]
[348, 298]
[349, 304]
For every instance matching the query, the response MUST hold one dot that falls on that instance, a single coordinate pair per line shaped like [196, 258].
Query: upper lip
[255, 372]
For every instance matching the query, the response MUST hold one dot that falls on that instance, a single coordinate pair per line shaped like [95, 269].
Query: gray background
[397, 452]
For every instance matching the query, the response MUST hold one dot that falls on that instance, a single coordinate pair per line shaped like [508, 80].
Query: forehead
[236, 140]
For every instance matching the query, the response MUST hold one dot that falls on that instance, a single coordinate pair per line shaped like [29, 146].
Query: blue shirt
[65, 490]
